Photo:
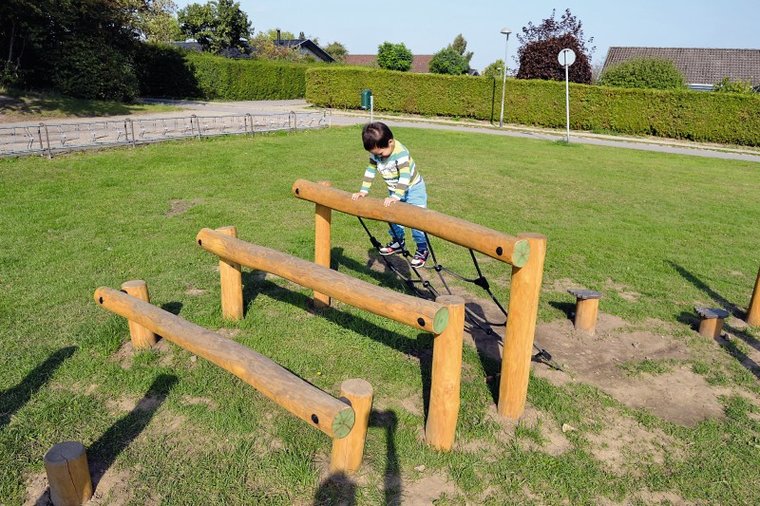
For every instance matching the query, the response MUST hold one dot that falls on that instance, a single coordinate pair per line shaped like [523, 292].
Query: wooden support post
[142, 338]
[711, 324]
[753, 312]
[232, 283]
[347, 453]
[524, 292]
[68, 474]
[323, 219]
[586, 309]
[446, 377]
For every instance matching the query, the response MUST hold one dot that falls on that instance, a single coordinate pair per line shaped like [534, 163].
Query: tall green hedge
[167, 72]
[706, 117]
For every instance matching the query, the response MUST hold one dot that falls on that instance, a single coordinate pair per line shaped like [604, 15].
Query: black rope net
[423, 288]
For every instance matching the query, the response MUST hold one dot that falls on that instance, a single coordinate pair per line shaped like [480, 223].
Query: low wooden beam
[509, 249]
[413, 311]
[232, 283]
[317, 408]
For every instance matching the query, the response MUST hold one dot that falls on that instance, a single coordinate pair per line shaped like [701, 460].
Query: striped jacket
[398, 171]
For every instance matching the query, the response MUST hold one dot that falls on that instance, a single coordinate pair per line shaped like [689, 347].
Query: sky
[426, 26]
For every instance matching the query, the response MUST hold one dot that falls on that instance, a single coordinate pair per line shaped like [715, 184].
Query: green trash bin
[366, 99]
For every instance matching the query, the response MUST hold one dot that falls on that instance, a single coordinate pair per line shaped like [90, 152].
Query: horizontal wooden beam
[413, 311]
[319, 409]
[507, 248]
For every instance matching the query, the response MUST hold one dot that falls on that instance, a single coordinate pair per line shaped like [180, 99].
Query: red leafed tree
[540, 45]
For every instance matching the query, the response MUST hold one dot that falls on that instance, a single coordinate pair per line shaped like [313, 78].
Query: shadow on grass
[103, 452]
[172, 307]
[740, 356]
[338, 488]
[715, 296]
[692, 320]
[14, 398]
[566, 307]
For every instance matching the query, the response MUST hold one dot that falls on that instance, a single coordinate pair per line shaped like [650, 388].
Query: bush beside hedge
[707, 117]
[167, 72]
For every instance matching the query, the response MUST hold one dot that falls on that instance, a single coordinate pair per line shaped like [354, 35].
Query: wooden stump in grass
[68, 474]
[347, 452]
[586, 309]
[142, 338]
[231, 279]
[711, 324]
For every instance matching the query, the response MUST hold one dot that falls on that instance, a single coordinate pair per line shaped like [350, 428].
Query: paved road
[341, 117]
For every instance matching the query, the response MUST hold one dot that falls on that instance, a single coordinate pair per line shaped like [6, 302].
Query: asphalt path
[342, 117]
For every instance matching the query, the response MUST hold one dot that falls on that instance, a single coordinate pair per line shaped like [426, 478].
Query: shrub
[167, 72]
[86, 68]
[394, 56]
[448, 61]
[710, 117]
[653, 73]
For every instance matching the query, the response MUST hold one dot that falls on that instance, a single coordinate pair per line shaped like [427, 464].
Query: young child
[405, 184]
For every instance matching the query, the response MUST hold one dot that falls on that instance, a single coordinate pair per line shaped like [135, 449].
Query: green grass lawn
[170, 429]
[31, 106]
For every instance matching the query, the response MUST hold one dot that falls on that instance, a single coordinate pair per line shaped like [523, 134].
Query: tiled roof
[420, 62]
[698, 65]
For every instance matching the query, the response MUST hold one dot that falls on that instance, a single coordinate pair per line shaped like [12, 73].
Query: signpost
[566, 58]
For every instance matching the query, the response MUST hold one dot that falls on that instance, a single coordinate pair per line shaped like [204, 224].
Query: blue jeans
[417, 196]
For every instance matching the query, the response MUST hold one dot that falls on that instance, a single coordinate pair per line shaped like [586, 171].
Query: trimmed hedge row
[167, 72]
[706, 117]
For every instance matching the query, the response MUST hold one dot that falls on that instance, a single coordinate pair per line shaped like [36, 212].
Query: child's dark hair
[376, 135]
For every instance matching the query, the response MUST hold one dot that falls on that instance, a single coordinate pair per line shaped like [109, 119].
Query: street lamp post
[505, 31]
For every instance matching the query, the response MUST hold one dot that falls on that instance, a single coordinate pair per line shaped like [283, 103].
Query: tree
[158, 23]
[460, 46]
[540, 44]
[337, 50]
[217, 25]
[539, 61]
[264, 47]
[449, 61]
[655, 73]
[394, 56]
[56, 43]
[494, 70]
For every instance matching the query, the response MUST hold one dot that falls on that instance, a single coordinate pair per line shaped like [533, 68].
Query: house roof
[698, 65]
[306, 44]
[420, 62]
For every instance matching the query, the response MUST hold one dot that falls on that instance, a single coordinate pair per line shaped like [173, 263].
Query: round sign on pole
[566, 57]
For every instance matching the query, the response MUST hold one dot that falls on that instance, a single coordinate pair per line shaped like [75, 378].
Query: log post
[446, 377]
[347, 453]
[142, 338]
[524, 293]
[68, 474]
[586, 309]
[753, 312]
[323, 219]
[232, 283]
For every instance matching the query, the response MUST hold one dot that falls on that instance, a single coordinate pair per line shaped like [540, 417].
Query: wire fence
[47, 139]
